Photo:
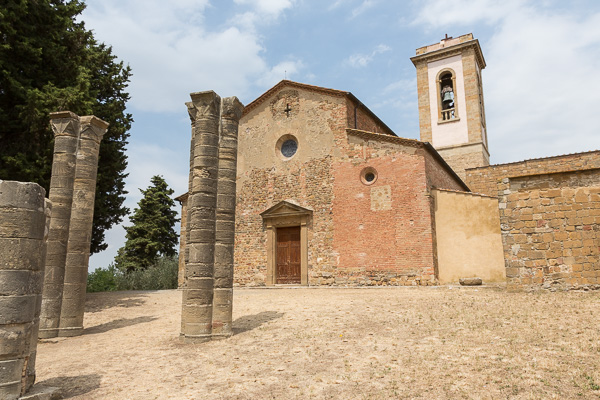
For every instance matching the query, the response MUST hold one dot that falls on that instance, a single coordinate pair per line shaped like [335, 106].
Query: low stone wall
[23, 222]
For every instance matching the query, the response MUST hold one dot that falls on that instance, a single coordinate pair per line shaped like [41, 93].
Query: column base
[48, 333]
[70, 332]
[221, 336]
[195, 338]
[41, 392]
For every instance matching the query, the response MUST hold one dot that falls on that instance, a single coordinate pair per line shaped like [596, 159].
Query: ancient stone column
[197, 298]
[65, 125]
[80, 227]
[231, 112]
[182, 240]
[22, 227]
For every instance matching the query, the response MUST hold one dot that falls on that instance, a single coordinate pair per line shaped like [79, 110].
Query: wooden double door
[288, 255]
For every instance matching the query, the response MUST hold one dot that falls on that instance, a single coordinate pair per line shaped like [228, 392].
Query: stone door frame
[286, 214]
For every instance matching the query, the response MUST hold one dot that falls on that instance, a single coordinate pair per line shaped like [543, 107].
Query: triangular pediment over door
[285, 209]
[286, 219]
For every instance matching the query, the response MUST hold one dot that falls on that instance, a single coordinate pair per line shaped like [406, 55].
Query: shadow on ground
[249, 322]
[116, 324]
[71, 386]
[95, 302]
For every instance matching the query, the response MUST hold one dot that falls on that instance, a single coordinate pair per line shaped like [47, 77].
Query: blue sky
[541, 84]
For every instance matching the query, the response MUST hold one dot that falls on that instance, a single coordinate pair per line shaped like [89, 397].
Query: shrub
[161, 275]
[103, 280]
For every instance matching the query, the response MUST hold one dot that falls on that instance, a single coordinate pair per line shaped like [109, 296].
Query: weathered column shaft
[80, 227]
[22, 227]
[197, 299]
[65, 125]
[231, 112]
[182, 240]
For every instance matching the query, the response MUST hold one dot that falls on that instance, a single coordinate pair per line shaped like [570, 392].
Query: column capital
[64, 123]
[204, 105]
[93, 128]
[232, 108]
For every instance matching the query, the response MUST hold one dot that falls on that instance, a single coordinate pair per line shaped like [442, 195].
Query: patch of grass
[592, 384]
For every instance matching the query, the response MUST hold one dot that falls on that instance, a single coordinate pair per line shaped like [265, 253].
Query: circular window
[368, 176]
[287, 147]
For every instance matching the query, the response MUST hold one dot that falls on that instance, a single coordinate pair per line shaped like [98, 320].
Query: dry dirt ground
[427, 343]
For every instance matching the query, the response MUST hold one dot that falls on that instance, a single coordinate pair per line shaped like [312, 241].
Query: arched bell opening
[446, 96]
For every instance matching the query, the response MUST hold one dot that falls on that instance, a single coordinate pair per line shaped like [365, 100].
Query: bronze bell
[448, 97]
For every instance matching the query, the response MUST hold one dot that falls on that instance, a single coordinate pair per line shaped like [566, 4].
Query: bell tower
[451, 108]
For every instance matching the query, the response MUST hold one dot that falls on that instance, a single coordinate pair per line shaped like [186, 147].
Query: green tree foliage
[50, 62]
[152, 234]
[160, 275]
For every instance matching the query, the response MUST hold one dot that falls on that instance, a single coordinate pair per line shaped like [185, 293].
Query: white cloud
[541, 81]
[268, 7]
[364, 6]
[172, 53]
[262, 12]
[362, 60]
[438, 13]
[284, 70]
[336, 4]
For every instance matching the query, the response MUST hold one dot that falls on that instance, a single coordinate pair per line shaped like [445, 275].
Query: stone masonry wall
[551, 230]
[549, 219]
[485, 180]
[461, 158]
[265, 178]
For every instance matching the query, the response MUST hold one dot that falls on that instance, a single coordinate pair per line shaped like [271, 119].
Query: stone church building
[327, 194]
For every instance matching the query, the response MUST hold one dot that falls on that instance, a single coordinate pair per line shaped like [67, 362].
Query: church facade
[327, 194]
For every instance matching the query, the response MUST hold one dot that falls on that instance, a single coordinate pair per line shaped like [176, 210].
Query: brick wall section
[439, 176]
[385, 245]
[550, 215]
[364, 119]
[384, 232]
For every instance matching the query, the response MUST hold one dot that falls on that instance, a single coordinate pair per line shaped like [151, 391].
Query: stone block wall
[549, 219]
[485, 180]
[465, 156]
[551, 230]
[265, 178]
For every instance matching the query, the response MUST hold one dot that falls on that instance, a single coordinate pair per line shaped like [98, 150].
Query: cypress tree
[152, 233]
